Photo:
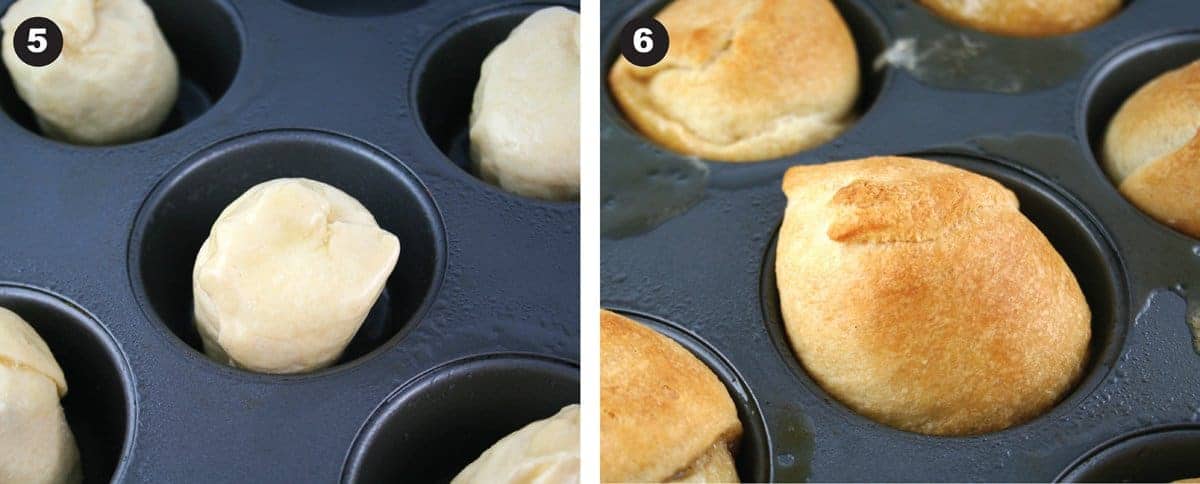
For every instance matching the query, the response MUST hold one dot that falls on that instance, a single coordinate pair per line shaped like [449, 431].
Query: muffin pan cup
[692, 242]
[106, 237]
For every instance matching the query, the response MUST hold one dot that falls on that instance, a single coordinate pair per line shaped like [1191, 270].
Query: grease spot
[950, 57]
[794, 445]
[639, 190]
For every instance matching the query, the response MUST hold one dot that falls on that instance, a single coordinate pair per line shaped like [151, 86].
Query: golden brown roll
[918, 295]
[1152, 149]
[664, 415]
[1026, 18]
[744, 81]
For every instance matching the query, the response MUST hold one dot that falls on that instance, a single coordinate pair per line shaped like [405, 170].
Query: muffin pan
[691, 242]
[100, 243]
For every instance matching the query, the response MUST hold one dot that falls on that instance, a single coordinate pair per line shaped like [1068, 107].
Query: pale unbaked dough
[543, 452]
[36, 445]
[116, 80]
[525, 118]
[287, 276]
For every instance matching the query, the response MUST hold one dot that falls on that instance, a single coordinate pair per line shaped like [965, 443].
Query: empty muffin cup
[1160, 454]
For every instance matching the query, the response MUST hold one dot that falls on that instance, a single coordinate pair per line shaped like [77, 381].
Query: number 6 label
[38, 41]
[644, 42]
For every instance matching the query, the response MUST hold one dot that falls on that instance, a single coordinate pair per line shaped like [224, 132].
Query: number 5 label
[38, 41]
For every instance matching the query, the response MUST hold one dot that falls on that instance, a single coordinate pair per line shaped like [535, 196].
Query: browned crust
[661, 409]
[1152, 152]
[1168, 188]
[1025, 18]
[927, 302]
[744, 80]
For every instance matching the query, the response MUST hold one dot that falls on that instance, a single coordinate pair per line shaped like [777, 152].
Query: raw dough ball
[116, 80]
[744, 81]
[920, 296]
[288, 275]
[525, 118]
[543, 452]
[36, 445]
[1026, 18]
[1152, 148]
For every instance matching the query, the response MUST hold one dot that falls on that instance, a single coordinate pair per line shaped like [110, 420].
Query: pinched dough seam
[691, 467]
[971, 217]
[16, 365]
[1160, 159]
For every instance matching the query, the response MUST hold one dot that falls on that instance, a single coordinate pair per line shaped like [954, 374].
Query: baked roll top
[1026, 18]
[919, 295]
[664, 414]
[744, 81]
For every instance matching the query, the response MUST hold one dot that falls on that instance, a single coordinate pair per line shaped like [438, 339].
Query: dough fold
[36, 444]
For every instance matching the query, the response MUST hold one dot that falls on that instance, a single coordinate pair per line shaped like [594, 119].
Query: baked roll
[543, 452]
[664, 415]
[116, 80]
[288, 275]
[744, 81]
[919, 296]
[36, 445]
[1026, 18]
[525, 114]
[1152, 149]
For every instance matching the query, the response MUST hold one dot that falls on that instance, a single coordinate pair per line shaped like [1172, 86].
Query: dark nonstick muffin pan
[690, 244]
[482, 307]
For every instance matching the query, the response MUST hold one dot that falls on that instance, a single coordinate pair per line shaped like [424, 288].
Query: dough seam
[693, 466]
[17, 365]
